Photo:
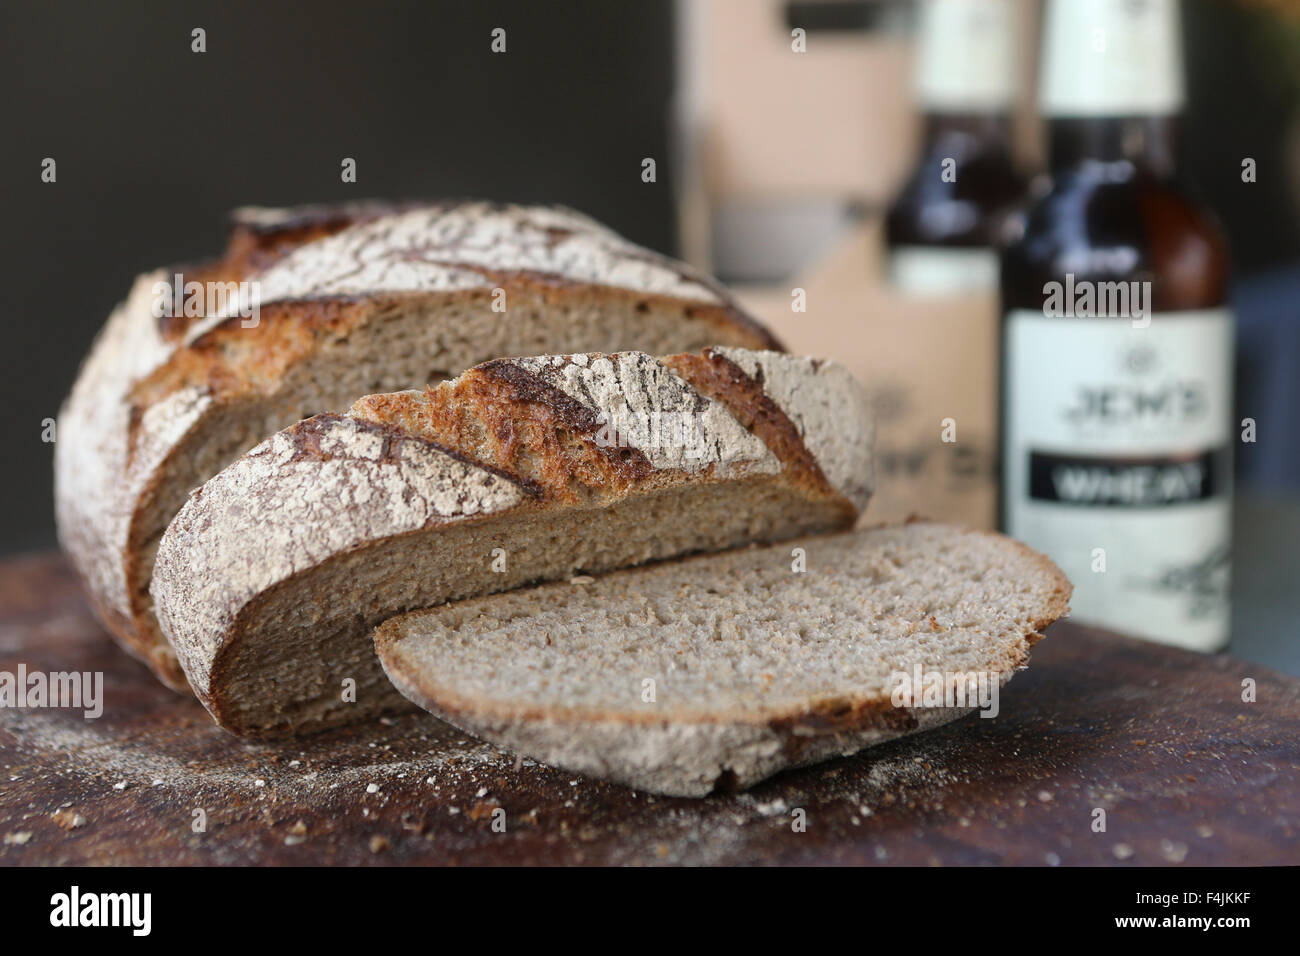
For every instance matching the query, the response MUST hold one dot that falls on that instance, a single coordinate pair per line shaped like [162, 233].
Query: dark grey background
[155, 144]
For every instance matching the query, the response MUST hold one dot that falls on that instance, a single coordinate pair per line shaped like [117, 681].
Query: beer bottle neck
[1145, 143]
[1112, 83]
[967, 133]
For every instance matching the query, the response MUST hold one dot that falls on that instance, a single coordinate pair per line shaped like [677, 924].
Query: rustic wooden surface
[1158, 738]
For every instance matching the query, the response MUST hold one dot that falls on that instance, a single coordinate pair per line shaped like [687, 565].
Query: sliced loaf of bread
[271, 578]
[717, 671]
[351, 299]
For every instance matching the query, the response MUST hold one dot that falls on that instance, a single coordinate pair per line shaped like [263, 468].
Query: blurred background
[775, 169]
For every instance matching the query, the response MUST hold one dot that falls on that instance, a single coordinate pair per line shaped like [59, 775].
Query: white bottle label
[1112, 58]
[966, 56]
[935, 270]
[1117, 452]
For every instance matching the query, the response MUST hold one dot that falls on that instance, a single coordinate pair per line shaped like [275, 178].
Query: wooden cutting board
[1159, 739]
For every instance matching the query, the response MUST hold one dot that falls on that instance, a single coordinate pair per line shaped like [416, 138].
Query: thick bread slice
[354, 299]
[755, 668]
[274, 573]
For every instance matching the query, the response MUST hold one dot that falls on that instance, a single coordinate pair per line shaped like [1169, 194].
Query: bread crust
[513, 438]
[157, 395]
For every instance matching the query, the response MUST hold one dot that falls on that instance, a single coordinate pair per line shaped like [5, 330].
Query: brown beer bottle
[1117, 342]
[941, 231]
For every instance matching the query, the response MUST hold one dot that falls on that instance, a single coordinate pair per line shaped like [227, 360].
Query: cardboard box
[835, 121]
[925, 360]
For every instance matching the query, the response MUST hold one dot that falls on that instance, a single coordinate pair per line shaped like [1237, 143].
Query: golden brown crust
[716, 376]
[497, 418]
[230, 358]
[506, 416]
[256, 244]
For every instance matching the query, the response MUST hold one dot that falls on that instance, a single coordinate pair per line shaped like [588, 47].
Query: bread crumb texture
[750, 661]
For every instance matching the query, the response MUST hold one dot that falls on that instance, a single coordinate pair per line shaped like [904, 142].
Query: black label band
[1112, 482]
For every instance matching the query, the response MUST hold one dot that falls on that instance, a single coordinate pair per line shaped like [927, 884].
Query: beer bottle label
[936, 270]
[966, 58]
[1112, 58]
[1117, 451]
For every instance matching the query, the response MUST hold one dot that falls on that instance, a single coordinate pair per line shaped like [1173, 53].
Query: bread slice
[271, 578]
[354, 299]
[755, 667]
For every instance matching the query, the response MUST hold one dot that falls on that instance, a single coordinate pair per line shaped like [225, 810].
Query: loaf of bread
[720, 670]
[351, 300]
[271, 578]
